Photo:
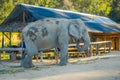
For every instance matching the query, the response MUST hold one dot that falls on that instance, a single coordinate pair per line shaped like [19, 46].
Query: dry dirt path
[106, 67]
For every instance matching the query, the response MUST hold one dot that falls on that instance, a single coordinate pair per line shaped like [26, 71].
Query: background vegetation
[109, 8]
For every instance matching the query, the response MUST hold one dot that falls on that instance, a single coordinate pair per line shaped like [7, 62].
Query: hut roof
[23, 14]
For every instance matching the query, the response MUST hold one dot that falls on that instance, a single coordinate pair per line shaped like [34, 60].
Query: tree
[6, 8]
[98, 7]
[115, 11]
[110, 8]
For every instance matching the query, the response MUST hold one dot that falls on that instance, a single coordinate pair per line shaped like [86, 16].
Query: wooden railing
[12, 52]
[106, 48]
[72, 49]
[93, 48]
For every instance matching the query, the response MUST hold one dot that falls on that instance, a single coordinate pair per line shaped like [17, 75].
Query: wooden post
[10, 40]
[2, 39]
[0, 57]
[110, 44]
[56, 53]
[87, 52]
[105, 44]
[119, 42]
[41, 56]
[97, 47]
[3, 34]
[91, 50]
[22, 52]
[23, 17]
[13, 56]
[37, 57]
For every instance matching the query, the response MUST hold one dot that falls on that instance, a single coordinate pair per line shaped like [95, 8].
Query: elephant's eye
[76, 25]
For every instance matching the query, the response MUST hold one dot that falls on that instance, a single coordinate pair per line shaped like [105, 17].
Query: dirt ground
[103, 67]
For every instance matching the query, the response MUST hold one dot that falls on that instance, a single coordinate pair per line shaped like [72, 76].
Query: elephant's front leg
[63, 46]
[63, 55]
[27, 62]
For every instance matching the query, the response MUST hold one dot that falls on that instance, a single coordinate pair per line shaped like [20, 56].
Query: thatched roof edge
[12, 27]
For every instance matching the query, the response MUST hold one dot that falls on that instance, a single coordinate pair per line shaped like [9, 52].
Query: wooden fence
[93, 48]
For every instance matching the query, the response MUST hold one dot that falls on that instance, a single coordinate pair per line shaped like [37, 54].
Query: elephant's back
[47, 36]
[44, 33]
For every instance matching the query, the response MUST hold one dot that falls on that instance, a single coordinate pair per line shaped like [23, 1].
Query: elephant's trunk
[86, 40]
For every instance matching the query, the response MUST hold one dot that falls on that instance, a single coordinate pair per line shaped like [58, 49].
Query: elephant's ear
[74, 31]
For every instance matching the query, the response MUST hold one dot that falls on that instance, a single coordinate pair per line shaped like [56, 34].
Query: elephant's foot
[27, 62]
[62, 63]
[27, 65]
[32, 65]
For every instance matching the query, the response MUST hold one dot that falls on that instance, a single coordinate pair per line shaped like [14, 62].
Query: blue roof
[33, 13]
[101, 27]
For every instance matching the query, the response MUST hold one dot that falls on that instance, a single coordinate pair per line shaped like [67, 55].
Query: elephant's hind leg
[28, 62]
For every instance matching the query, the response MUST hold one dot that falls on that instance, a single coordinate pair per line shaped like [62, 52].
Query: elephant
[55, 33]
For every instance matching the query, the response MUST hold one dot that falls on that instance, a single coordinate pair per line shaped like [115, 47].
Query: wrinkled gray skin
[53, 33]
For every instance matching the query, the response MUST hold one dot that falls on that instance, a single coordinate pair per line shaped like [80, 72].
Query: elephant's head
[77, 29]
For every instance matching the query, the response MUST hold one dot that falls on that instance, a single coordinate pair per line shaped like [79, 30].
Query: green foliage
[5, 8]
[15, 39]
[110, 8]
[98, 7]
[115, 11]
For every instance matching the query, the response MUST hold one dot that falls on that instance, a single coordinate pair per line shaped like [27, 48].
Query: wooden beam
[110, 44]
[10, 40]
[119, 42]
[105, 44]
[0, 57]
[5, 35]
[91, 50]
[97, 48]
[11, 49]
[2, 40]
[41, 56]
[23, 17]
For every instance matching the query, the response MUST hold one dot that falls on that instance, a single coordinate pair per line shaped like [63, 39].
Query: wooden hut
[23, 14]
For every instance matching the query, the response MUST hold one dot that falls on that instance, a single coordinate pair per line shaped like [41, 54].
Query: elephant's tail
[23, 42]
[28, 44]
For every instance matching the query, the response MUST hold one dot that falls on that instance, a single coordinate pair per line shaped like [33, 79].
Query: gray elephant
[53, 33]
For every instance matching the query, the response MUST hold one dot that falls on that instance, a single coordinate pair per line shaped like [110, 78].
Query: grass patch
[15, 66]
[33, 68]
[11, 71]
[8, 69]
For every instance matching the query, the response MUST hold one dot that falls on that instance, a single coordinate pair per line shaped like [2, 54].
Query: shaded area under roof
[23, 14]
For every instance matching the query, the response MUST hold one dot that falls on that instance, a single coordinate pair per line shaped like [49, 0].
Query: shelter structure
[100, 28]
